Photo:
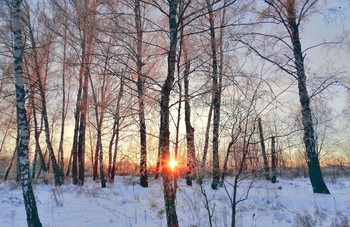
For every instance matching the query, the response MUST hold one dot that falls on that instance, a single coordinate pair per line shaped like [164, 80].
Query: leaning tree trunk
[164, 133]
[12, 158]
[44, 114]
[315, 173]
[224, 168]
[38, 150]
[28, 195]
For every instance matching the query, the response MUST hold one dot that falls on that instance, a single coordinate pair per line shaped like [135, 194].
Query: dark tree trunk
[94, 159]
[115, 138]
[177, 124]
[28, 195]
[191, 152]
[140, 94]
[64, 109]
[89, 18]
[157, 174]
[99, 116]
[87, 47]
[315, 173]
[110, 148]
[206, 145]
[216, 100]
[12, 159]
[164, 133]
[263, 150]
[82, 129]
[77, 115]
[224, 169]
[273, 160]
[74, 151]
[44, 114]
[38, 150]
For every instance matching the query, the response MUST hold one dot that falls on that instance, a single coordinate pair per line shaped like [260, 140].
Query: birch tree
[28, 194]
[291, 14]
[164, 132]
[140, 93]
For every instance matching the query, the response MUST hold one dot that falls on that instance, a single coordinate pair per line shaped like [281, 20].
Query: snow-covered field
[124, 203]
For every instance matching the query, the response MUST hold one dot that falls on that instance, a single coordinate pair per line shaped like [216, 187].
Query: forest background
[98, 75]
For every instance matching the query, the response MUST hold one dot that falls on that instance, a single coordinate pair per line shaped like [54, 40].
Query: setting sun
[172, 164]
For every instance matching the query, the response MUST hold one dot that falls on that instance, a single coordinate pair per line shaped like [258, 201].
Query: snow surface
[124, 203]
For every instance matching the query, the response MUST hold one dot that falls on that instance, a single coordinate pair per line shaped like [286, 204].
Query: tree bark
[263, 150]
[178, 119]
[216, 99]
[224, 169]
[191, 152]
[115, 137]
[44, 114]
[74, 151]
[38, 150]
[273, 160]
[28, 195]
[82, 129]
[64, 109]
[164, 133]
[87, 42]
[140, 95]
[206, 145]
[315, 173]
[12, 159]
[99, 120]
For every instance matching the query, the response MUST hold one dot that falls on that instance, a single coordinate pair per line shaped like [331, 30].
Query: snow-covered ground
[124, 203]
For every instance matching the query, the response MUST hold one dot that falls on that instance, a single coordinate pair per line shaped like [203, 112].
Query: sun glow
[172, 164]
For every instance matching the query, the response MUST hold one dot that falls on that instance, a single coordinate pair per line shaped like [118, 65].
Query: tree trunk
[8, 128]
[64, 109]
[38, 150]
[99, 120]
[74, 151]
[191, 152]
[94, 158]
[216, 99]
[116, 128]
[164, 133]
[206, 145]
[140, 95]
[44, 114]
[224, 169]
[82, 129]
[273, 160]
[315, 173]
[77, 115]
[177, 124]
[263, 150]
[12, 159]
[28, 195]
